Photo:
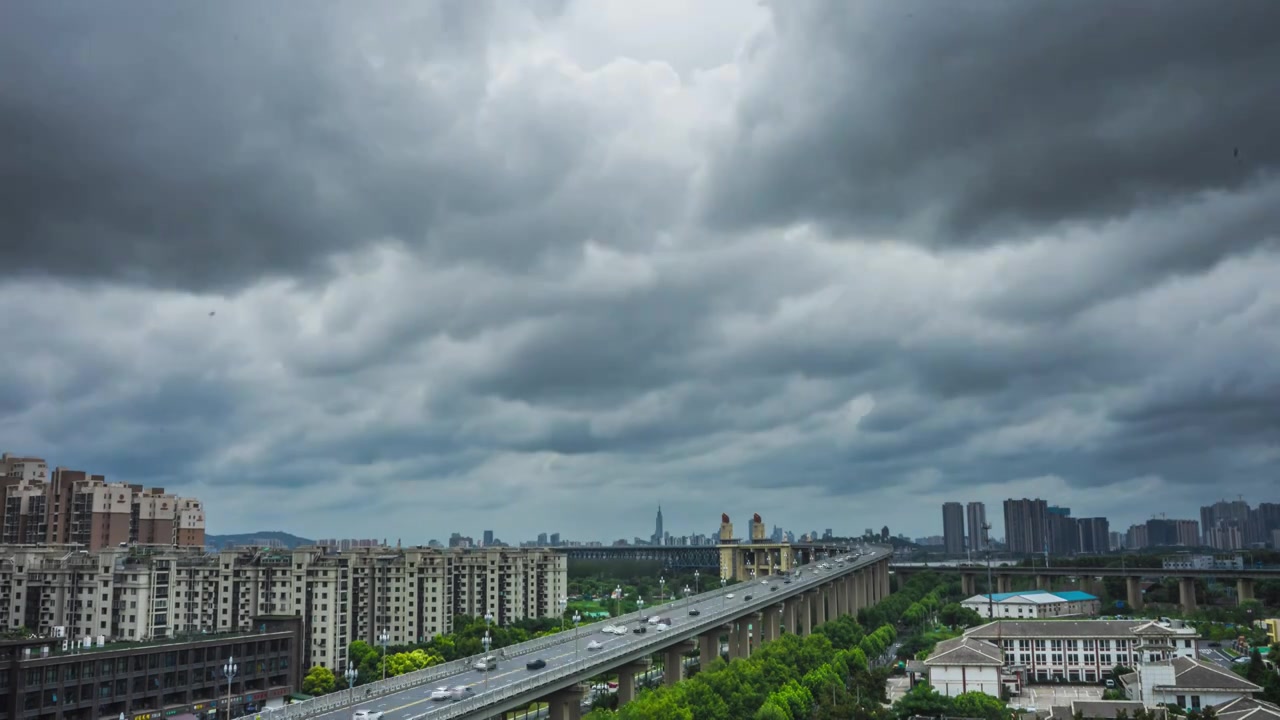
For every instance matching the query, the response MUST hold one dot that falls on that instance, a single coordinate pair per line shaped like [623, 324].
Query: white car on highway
[620, 630]
[595, 645]
[367, 715]
[608, 629]
[441, 693]
[729, 596]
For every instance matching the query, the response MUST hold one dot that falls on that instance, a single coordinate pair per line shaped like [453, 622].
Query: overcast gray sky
[541, 266]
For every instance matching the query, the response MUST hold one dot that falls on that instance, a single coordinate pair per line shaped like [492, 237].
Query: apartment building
[65, 507]
[147, 592]
[1084, 650]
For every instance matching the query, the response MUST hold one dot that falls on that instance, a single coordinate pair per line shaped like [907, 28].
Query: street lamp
[687, 592]
[662, 589]
[564, 602]
[229, 672]
[383, 638]
[577, 618]
[351, 679]
[696, 575]
[617, 601]
[487, 642]
[723, 580]
[640, 607]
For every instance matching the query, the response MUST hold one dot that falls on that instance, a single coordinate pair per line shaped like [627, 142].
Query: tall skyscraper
[658, 534]
[953, 528]
[977, 513]
[488, 538]
[1026, 525]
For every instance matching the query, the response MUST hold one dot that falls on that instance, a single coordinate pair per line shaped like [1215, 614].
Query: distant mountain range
[265, 537]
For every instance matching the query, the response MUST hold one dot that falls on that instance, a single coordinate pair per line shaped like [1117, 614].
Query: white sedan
[441, 693]
[594, 645]
[620, 630]
[608, 629]
[730, 596]
[367, 715]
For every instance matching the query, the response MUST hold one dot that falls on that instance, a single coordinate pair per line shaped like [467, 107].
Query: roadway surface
[417, 701]
[1212, 652]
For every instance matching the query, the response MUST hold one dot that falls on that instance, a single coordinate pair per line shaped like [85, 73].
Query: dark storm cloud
[208, 145]
[972, 123]
[455, 280]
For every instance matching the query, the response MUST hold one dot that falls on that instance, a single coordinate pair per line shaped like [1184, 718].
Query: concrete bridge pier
[770, 620]
[731, 640]
[709, 646]
[1043, 583]
[842, 597]
[791, 615]
[968, 586]
[746, 624]
[566, 704]
[1244, 590]
[1187, 594]
[1133, 594]
[851, 592]
[627, 681]
[1004, 584]
[673, 663]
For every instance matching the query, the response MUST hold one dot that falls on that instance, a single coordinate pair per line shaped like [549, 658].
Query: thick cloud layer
[482, 266]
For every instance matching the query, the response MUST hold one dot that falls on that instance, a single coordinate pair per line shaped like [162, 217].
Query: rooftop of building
[56, 651]
[1193, 674]
[965, 651]
[1039, 597]
[1247, 709]
[1055, 628]
[1102, 709]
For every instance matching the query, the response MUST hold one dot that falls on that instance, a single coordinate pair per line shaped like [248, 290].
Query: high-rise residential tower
[977, 516]
[953, 528]
[1026, 525]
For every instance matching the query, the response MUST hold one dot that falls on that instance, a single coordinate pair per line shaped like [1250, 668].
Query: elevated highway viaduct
[746, 614]
[1044, 576]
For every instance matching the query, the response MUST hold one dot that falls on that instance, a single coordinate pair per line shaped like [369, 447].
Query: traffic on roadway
[516, 664]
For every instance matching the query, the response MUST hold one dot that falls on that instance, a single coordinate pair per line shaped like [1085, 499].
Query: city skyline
[402, 270]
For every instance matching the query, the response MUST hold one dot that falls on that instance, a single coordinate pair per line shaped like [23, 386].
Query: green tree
[922, 700]
[318, 681]
[771, 710]
[956, 615]
[979, 705]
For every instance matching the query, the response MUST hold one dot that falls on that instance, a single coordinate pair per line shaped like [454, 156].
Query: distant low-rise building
[1083, 650]
[1034, 604]
[1187, 683]
[174, 679]
[1187, 561]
